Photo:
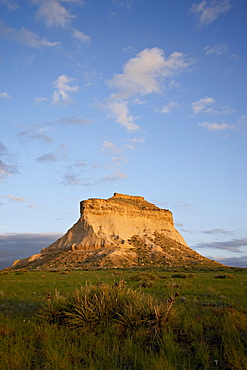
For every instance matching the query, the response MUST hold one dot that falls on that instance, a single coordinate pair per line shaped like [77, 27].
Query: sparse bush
[64, 272]
[179, 276]
[145, 283]
[3, 272]
[144, 276]
[21, 272]
[225, 276]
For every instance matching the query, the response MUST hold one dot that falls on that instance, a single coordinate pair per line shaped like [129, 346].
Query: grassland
[205, 327]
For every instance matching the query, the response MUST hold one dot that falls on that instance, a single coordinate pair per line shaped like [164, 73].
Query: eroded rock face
[112, 222]
[121, 231]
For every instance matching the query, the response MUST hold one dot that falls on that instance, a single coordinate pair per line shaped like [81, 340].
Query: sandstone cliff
[121, 231]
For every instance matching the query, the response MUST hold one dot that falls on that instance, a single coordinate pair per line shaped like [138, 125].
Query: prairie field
[152, 318]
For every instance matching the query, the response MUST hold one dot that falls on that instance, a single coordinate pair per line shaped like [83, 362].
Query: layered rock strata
[122, 231]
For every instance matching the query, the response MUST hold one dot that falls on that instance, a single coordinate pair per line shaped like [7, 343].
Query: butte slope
[122, 231]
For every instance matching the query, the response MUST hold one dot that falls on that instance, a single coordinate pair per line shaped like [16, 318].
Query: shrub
[144, 276]
[94, 306]
[179, 276]
[225, 276]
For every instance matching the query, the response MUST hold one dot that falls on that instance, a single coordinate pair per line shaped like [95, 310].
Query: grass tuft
[106, 305]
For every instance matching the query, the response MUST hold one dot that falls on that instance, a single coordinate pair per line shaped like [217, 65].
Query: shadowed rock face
[121, 231]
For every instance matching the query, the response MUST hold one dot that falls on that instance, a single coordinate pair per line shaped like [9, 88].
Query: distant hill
[122, 231]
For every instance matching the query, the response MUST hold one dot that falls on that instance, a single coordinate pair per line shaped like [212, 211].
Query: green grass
[78, 320]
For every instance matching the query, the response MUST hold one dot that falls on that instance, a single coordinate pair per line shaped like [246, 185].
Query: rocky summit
[122, 231]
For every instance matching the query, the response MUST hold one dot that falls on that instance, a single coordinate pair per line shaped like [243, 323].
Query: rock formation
[122, 231]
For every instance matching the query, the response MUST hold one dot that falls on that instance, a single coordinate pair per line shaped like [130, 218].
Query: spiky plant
[104, 305]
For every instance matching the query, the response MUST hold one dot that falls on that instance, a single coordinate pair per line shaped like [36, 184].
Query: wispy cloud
[25, 37]
[218, 231]
[11, 5]
[170, 107]
[40, 100]
[124, 3]
[120, 113]
[53, 14]
[50, 157]
[221, 49]
[5, 95]
[142, 75]
[6, 169]
[241, 124]
[216, 126]
[208, 105]
[208, 11]
[71, 120]
[233, 245]
[232, 261]
[108, 146]
[35, 132]
[116, 176]
[3, 148]
[14, 198]
[75, 174]
[202, 105]
[78, 35]
[133, 142]
[63, 89]
[72, 177]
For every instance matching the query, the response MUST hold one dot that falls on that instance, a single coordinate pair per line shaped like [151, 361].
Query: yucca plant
[104, 305]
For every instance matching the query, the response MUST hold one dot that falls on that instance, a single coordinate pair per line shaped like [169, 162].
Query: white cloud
[215, 126]
[142, 75]
[53, 13]
[119, 111]
[63, 89]
[170, 107]
[217, 49]
[81, 36]
[201, 105]
[145, 73]
[5, 95]
[210, 10]
[25, 37]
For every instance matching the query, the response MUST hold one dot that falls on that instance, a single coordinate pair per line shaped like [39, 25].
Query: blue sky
[132, 96]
